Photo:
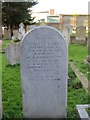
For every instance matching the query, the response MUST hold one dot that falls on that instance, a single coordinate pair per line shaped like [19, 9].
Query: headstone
[21, 31]
[44, 64]
[66, 31]
[9, 33]
[5, 33]
[81, 35]
[13, 53]
[80, 20]
[15, 35]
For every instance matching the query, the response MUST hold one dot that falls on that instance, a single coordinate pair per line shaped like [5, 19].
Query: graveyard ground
[11, 84]
[77, 54]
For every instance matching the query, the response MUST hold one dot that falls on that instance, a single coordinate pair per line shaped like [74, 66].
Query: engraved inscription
[44, 59]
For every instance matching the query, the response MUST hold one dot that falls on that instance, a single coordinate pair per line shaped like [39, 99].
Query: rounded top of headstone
[45, 32]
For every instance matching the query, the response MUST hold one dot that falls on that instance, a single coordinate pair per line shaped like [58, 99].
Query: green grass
[77, 54]
[11, 87]
[88, 111]
[76, 94]
[12, 99]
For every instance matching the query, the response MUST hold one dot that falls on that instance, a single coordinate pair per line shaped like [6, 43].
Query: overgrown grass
[77, 54]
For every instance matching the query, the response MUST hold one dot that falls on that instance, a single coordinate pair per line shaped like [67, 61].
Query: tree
[13, 13]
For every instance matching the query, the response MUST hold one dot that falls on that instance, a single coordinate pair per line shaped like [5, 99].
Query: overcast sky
[63, 6]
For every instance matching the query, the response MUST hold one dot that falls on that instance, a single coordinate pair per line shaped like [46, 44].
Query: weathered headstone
[13, 53]
[15, 35]
[9, 33]
[66, 31]
[80, 35]
[5, 33]
[44, 64]
[21, 31]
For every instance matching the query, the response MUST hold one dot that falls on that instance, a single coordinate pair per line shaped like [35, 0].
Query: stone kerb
[44, 73]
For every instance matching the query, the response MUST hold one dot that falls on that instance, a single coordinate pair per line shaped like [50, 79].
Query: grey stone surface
[82, 111]
[44, 73]
[66, 31]
[13, 53]
[15, 34]
[81, 35]
[21, 31]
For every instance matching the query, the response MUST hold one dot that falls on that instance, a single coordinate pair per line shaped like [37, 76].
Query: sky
[63, 6]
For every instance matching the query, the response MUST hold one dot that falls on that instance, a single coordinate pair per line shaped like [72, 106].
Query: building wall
[53, 19]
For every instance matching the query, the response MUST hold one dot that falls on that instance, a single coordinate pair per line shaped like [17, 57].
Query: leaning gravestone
[44, 64]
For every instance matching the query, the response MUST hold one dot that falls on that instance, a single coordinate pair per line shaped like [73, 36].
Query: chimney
[52, 12]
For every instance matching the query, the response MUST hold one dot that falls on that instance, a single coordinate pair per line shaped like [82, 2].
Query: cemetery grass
[77, 54]
[12, 97]
[11, 90]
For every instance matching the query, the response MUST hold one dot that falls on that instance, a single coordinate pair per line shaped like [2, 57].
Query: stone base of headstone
[13, 53]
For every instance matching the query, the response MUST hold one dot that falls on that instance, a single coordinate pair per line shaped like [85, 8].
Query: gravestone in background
[15, 35]
[21, 31]
[44, 64]
[13, 53]
[66, 31]
[5, 33]
[9, 33]
[80, 35]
